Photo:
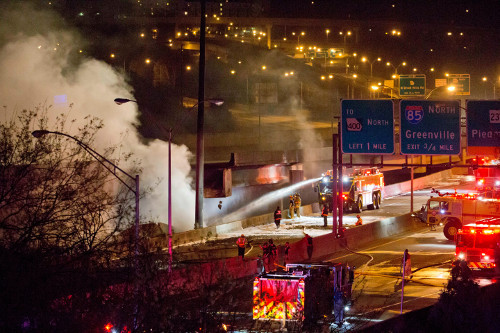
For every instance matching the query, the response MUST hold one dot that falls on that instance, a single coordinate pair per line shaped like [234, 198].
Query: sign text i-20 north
[367, 127]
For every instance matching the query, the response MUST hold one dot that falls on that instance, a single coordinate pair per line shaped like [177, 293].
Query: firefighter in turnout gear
[297, 202]
[291, 207]
[241, 243]
[324, 213]
[277, 217]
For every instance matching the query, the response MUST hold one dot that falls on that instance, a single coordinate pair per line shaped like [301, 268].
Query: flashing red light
[108, 327]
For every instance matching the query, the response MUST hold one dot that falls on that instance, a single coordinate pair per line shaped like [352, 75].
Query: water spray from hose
[247, 210]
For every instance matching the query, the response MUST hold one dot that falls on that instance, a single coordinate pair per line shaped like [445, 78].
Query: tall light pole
[348, 33]
[485, 79]
[396, 67]
[101, 159]
[450, 88]
[216, 102]
[39, 133]
[371, 65]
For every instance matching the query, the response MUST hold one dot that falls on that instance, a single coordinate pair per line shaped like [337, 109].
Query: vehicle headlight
[461, 255]
[346, 308]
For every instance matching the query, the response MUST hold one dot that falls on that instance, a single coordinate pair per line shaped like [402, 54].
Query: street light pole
[99, 158]
[485, 79]
[450, 88]
[216, 102]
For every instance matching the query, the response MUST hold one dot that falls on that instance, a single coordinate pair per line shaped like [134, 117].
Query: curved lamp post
[371, 64]
[216, 102]
[101, 159]
[485, 79]
[376, 87]
[450, 88]
[396, 67]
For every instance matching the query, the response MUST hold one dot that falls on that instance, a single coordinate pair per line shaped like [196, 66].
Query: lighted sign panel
[412, 85]
[367, 127]
[483, 128]
[430, 127]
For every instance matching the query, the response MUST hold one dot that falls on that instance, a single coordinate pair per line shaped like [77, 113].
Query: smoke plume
[43, 62]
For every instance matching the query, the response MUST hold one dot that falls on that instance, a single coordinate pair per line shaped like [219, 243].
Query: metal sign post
[403, 283]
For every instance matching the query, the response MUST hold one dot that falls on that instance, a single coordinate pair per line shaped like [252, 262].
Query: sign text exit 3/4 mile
[367, 127]
[430, 127]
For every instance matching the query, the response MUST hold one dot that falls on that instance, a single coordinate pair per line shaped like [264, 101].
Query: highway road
[292, 230]
[377, 289]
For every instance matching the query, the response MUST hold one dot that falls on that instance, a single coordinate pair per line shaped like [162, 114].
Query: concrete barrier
[211, 232]
[205, 274]
[353, 237]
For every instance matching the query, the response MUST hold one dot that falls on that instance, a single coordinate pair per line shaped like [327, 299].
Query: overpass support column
[268, 32]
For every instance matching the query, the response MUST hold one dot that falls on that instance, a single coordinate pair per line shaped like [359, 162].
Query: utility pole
[200, 158]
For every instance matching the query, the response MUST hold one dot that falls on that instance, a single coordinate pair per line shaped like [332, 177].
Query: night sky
[481, 13]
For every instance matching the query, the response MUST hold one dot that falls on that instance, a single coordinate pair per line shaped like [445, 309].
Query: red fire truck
[304, 292]
[453, 210]
[476, 243]
[488, 177]
[361, 188]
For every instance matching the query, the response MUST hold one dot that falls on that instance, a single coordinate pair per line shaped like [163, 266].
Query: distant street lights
[485, 79]
[396, 67]
[371, 64]
[348, 33]
[327, 33]
[298, 36]
[450, 89]
[377, 87]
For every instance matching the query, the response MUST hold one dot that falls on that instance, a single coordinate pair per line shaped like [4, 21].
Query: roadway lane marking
[374, 247]
[399, 303]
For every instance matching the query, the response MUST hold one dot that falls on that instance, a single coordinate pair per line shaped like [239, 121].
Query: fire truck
[477, 242]
[487, 178]
[303, 292]
[362, 188]
[457, 209]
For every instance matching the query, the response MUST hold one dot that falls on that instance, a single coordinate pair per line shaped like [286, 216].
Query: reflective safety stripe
[481, 265]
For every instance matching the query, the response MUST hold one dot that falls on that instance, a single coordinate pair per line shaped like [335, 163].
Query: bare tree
[59, 211]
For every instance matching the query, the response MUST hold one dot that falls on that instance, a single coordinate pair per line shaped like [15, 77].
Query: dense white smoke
[36, 68]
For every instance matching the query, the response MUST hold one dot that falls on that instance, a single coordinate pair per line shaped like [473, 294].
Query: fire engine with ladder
[361, 188]
[478, 243]
[454, 210]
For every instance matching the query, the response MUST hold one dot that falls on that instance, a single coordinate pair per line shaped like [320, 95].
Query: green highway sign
[367, 126]
[461, 83]
[429, 127]
[483, 127]
[412, 85]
